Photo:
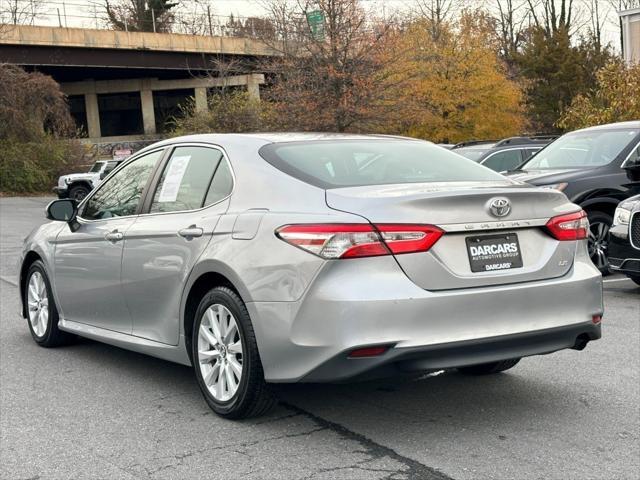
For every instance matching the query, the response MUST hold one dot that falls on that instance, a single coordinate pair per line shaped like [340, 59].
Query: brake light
[342, 240]
[572, 226]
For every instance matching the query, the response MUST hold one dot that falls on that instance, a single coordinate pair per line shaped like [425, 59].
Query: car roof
[277, 137]
[612, 126]
[479, 146]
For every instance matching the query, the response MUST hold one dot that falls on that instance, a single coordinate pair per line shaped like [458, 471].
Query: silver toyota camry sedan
[266, 258]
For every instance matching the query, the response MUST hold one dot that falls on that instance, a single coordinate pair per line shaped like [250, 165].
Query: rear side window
[350, 163]
[221, 185]
[186, 179]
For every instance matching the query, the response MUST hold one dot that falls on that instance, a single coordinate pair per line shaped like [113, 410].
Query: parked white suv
[78, 185]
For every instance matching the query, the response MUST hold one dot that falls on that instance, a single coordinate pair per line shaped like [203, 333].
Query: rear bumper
[364, 302]
[456, 354]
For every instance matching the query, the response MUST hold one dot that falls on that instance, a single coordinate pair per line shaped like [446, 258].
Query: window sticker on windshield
[173, 179]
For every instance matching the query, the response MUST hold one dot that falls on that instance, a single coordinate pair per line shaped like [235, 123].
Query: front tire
[225, 357]
[42, 314]
[634, 278]
[489, 368]
[78, 192]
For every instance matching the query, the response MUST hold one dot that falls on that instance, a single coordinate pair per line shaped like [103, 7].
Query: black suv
[589, 167]
[507, 154]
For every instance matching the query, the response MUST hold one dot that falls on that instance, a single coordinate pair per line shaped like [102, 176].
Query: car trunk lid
[462, 210]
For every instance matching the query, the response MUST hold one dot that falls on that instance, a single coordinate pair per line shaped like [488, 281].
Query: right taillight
[571, 226]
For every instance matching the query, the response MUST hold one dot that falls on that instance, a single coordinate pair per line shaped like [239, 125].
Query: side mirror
[63, 210]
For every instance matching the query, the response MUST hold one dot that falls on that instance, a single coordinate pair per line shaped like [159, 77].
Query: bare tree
[512, 20]
[553, 15]
[437, 12]
[329, 75]
[195, 18]
[20, 12]
[598, 13]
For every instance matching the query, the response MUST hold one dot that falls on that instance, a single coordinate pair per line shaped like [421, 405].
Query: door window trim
[636, 147]
[145, 210]
[122, 165]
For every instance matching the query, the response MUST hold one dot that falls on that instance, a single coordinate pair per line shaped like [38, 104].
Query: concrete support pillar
[253, 85]
[93, 115]
[201, 99]
[148, 114]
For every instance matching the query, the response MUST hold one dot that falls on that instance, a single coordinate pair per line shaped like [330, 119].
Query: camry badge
[499, 207]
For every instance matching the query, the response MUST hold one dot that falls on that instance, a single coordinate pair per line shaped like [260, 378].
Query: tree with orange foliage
[455, 87]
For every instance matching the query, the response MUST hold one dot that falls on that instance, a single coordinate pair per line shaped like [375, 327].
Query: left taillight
[572, 226]
[341, 240]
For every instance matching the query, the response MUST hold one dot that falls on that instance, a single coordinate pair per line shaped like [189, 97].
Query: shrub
[34, 119]
[232, 111]
[28, 167]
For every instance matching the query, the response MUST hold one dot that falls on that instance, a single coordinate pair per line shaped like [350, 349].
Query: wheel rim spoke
[211, 375]
[235, 347]
[207, 356]
[208, 335]
[220, 352]
[235, 366]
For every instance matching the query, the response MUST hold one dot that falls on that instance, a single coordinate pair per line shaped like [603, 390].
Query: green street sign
[316, 24]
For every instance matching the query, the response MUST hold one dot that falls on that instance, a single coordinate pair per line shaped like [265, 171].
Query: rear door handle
[114, 236]
[191, 232]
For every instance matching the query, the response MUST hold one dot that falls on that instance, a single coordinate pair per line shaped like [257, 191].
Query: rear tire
[489, 368]
[42, 314]
[225, 357]
[598, 241]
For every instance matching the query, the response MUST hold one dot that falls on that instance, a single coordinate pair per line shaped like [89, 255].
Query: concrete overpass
[125, 85]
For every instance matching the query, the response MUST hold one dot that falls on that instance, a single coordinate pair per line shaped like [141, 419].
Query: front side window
[503, 161]
[583, 149]
[120, 195]
[351, 163]
[186, 179]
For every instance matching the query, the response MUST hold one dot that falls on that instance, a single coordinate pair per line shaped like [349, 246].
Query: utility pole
[209, 17]
[153, 19]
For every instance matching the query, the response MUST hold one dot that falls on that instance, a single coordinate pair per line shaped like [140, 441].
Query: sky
[88, 13]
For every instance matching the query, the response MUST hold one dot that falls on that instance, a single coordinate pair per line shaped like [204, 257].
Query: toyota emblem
[499, 207]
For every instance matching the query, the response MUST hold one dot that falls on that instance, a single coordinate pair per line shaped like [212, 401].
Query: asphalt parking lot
[95, 411]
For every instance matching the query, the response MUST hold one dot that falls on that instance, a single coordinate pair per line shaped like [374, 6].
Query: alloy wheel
[220, 352]
[38, 304]
[598, 244]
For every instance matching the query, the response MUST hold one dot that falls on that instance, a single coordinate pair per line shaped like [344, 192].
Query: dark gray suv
[505, 155]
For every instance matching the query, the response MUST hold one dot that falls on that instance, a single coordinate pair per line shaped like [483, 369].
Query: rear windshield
[354, 163]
